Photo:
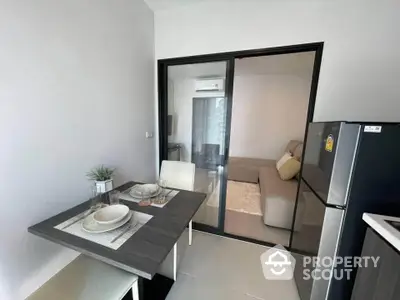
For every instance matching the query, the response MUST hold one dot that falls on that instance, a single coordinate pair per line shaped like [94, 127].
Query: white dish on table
[91, 226]
[148, 190]
[111, 214]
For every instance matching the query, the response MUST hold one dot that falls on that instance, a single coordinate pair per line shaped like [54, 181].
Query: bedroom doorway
[219, 214]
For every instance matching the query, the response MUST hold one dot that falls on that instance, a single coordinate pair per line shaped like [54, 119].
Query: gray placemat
[169, 192]
[105, 238]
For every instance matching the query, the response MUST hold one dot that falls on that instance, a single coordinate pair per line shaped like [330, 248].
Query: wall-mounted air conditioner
[208, 85]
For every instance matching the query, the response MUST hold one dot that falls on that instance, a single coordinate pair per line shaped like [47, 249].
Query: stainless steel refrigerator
[348, 169]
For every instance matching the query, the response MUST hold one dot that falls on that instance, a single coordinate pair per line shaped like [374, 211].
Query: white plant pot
[104, 186]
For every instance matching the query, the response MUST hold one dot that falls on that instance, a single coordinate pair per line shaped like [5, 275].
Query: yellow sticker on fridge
[329, 143]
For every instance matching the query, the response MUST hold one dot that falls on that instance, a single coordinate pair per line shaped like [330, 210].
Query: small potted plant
[102, 176]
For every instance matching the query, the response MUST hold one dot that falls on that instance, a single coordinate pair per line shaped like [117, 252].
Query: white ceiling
[157, 5]
[294, 64]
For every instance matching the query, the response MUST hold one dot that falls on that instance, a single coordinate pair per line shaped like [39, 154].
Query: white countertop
[383, 228]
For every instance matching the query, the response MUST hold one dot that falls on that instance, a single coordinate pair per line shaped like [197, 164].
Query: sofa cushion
[279, 213]
[298, 152]
[271, 185]
[242, 173]
[246, 169]
[254, 162]
[292, 145]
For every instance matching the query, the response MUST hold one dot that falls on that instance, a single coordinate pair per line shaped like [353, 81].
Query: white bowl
[111, 214]
[91, 226]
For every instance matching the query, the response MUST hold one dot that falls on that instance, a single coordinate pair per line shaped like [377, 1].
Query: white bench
[86, 279]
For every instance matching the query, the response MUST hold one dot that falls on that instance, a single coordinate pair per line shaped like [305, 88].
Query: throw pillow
[288, 167]
[283, 160]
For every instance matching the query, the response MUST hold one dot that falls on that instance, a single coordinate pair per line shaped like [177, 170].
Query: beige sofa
[278, 196]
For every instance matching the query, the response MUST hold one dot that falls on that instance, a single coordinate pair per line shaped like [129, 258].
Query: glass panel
[196, 128]
[269, 113]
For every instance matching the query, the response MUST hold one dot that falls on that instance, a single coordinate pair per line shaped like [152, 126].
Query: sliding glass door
[195, 112]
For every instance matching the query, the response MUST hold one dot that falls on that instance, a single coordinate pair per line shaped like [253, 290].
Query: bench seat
[86, 279]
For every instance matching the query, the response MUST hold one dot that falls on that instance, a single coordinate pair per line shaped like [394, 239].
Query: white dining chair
[179, 175]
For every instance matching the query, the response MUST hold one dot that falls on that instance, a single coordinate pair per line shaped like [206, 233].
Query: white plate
[111, 214]
[149, 190]
[91, 226]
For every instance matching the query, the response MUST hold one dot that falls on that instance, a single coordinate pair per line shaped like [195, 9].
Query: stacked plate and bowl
[114, 216]
[145, 191]
[107, 218]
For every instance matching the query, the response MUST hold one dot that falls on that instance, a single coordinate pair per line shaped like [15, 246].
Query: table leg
[175, 261]
[135, 291]
[190, 232]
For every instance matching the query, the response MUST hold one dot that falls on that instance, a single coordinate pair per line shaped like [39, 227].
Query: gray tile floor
[252, 226]
[220, 268]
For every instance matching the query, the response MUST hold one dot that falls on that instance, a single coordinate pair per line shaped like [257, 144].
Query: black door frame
[229, 57]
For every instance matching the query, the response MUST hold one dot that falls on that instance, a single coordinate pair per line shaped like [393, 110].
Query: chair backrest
[178, 174]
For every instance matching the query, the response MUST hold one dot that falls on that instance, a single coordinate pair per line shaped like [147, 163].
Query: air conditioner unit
[208, 85]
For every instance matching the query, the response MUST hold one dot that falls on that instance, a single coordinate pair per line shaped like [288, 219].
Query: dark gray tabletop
[142, 253]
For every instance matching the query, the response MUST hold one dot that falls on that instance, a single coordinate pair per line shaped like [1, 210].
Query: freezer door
[318, 162]
[328, 159]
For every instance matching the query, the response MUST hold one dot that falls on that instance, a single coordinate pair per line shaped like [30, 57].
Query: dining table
[141, 253]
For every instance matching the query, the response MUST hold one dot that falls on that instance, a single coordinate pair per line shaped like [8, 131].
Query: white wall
[360, 68]
[268, 111]
[76, 90]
